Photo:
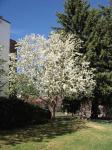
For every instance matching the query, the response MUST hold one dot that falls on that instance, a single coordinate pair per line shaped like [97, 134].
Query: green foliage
[70, 105]
[25, 88]
[20, 85]
[17, 113]
[102, 47]
[2, 72]
[94, 27]
[74, 17]
[109, 113]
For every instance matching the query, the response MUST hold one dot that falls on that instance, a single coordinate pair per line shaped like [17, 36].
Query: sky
[34, 16]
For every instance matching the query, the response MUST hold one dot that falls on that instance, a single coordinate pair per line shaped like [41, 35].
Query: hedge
[16, 113]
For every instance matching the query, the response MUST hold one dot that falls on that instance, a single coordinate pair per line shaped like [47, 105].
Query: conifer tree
[74, 17]
[94, 27]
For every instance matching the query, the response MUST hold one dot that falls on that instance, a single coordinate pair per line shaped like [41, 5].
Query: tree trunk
[95, 110]
[53, 105]
[72, 114]
[52, 109]
[85, 110]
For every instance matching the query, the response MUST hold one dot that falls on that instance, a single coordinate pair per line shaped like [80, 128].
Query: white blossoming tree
[19, 83]
[2, 71]
[55, 67]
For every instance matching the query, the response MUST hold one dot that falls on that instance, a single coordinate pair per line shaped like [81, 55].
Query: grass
[64, 133]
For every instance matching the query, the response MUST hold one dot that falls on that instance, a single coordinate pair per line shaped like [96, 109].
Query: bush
[16, 113]
[109, 113]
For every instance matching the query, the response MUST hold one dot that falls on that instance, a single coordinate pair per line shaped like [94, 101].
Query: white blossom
[55, 66]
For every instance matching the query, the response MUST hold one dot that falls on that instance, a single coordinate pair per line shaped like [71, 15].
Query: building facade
[4, 53]
[5, 37]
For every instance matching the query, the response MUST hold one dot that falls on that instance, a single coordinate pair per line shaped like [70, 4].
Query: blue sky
[33, 16]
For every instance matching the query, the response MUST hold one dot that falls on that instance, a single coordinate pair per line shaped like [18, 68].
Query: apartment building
[8, 47]
[5, 37]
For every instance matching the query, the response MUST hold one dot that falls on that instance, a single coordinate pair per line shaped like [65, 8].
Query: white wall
[5, 42]
[5, 37]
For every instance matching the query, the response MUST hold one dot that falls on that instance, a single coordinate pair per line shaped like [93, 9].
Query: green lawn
[63, 134]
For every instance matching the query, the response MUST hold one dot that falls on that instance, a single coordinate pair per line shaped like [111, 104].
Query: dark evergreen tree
[111, 3]
[78, 18]
[74, 17]
[100, 43]
[94, 27]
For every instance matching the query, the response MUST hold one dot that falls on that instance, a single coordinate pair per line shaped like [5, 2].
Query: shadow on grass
[102, 121]
[39, 133]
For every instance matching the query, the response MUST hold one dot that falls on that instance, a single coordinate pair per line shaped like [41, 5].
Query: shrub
[16, 113]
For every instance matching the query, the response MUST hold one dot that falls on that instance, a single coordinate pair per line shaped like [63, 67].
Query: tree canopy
[94, 27]
[2, 71]
[55, 66]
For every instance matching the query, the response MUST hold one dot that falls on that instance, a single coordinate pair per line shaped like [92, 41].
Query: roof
[4, 19]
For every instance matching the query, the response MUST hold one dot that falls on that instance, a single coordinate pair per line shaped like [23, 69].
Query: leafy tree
[74, 17]
[55, 67]
[94, 27]
[19, 84]
[2, 71]
[12, 76]
[25, 88]
[111, 3]
[101, 43]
